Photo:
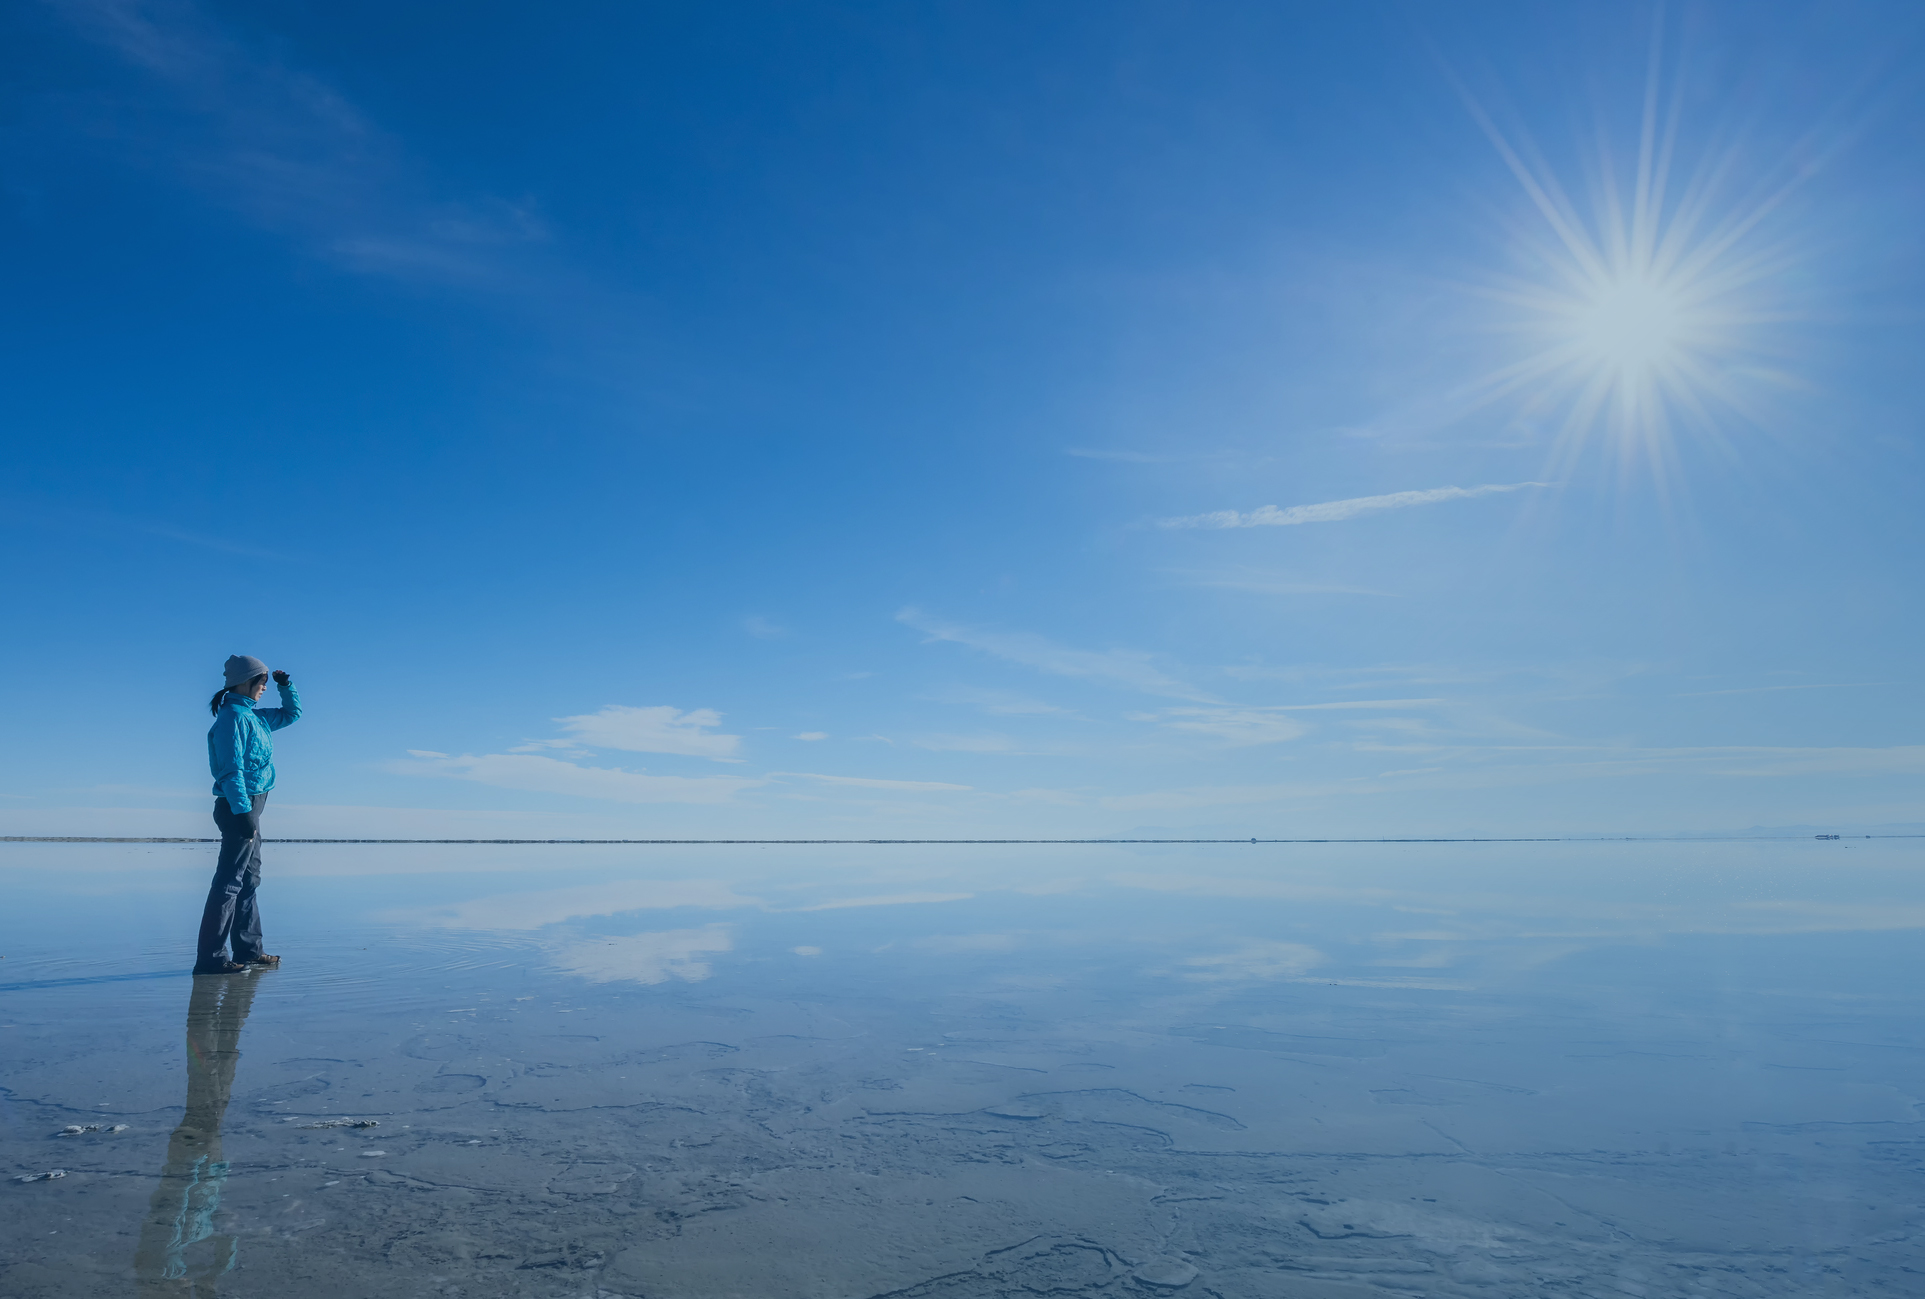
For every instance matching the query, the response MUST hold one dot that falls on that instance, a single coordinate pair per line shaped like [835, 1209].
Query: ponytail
[214, 704]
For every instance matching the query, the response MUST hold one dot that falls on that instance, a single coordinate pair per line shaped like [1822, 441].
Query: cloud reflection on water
[647, 958]
[552, 906]
[887, 900]
[1252, 962]
[1367, 1028]
[1485, 916]
[1542, 915]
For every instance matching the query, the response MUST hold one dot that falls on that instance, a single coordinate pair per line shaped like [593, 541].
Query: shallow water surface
[1307, 1072]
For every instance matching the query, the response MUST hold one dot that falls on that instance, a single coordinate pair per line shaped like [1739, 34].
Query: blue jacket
[240, 750]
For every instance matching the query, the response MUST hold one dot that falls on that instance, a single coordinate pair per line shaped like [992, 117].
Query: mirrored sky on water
[1337, 1071]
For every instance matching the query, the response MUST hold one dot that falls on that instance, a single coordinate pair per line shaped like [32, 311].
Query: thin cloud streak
[994, 742]
[1767, 690]
[999, 703]
[21, 511]
[1121, 456]
[1270, 516]
[1237, 727]
[1360, 703]
[1523, 766]
[540, 775]
[1129, 669]
[1267, 584]
[291, 153]
[872, 782]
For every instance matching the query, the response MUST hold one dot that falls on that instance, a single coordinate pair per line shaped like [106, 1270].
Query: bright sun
[1640, 307]
[1630, 325]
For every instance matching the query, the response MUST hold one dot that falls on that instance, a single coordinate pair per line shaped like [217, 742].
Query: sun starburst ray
[1647, 288]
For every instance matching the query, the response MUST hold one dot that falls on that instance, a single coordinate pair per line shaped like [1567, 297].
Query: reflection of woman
[179, 1252]
[240, 750]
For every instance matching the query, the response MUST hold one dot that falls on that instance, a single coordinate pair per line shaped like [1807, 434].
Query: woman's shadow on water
[180, 1252]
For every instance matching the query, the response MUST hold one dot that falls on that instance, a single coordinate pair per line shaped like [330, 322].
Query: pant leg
[237, 869]
[246, 934]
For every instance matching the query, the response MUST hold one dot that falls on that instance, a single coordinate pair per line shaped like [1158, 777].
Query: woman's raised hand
[280, 677]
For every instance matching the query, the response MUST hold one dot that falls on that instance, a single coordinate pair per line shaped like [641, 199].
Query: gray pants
[231, 911]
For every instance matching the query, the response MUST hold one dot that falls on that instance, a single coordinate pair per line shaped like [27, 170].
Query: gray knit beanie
[243, 668]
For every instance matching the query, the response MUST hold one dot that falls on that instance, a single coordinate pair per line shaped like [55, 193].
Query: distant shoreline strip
[1588, 838]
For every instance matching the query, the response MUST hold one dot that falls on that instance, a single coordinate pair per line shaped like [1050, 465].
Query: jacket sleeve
[225, 745]
[287, 714]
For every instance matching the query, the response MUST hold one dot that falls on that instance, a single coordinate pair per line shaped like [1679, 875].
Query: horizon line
[1569, 838]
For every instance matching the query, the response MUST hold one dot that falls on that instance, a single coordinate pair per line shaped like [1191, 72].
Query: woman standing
[240, 750]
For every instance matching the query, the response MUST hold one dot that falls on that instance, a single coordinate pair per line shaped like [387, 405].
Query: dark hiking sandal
[219, 967]
[262, 962]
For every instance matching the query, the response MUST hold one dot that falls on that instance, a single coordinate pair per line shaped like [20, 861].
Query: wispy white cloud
[1117, 454]
[1533, 763]
[92, 520]
[1440, 767]
[811, 735]
[1766, 690]
[543, 775]
[994, 742]
[1263, 583]
[288, 151]
[1347, 704]
[1048, 797]
[1410, 727]
[1238, 727]
[1130, 456]
[654, 729]
[1270, 724]
[1129, 669]
[998, 703]
[1370, 677]
[1269, 516]
[763, 629]
[871, 782]
[990, 742]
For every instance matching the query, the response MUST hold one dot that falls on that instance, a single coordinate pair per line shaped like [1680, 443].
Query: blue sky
[964, 420]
